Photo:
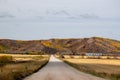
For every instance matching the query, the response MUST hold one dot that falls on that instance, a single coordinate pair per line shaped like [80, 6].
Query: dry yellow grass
[24, 65]
[100, 65]
[20, 57]
[108, 68]
[86, 57]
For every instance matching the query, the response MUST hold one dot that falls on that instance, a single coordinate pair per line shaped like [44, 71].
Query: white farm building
[93, 54]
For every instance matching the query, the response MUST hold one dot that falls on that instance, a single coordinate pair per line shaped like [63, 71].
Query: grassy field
[106, 68]
[86, 57]
[21, 66]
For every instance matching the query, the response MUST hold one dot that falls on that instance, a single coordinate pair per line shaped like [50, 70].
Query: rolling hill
[68, 46]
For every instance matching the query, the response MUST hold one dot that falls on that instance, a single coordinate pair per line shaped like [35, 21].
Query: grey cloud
[5, 15]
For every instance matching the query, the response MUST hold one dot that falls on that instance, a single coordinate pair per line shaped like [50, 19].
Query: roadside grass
[105, 68]
[5, 59]
[21, 66]
[91, 57]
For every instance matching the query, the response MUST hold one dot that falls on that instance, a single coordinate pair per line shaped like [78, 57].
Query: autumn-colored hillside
[67, 46]
[94, 44]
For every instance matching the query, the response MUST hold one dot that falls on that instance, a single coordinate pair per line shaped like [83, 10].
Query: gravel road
[58, 70]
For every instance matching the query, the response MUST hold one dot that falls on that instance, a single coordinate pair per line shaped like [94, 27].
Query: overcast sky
[45, 19]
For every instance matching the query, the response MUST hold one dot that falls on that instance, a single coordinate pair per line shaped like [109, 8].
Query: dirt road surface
[58, 70]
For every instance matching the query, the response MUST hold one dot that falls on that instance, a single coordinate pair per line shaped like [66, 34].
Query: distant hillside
[94, 44]
[16, 46]
[69, 46]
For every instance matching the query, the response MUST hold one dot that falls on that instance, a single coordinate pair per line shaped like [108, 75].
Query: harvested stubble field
[21, 66]
[106, 68]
